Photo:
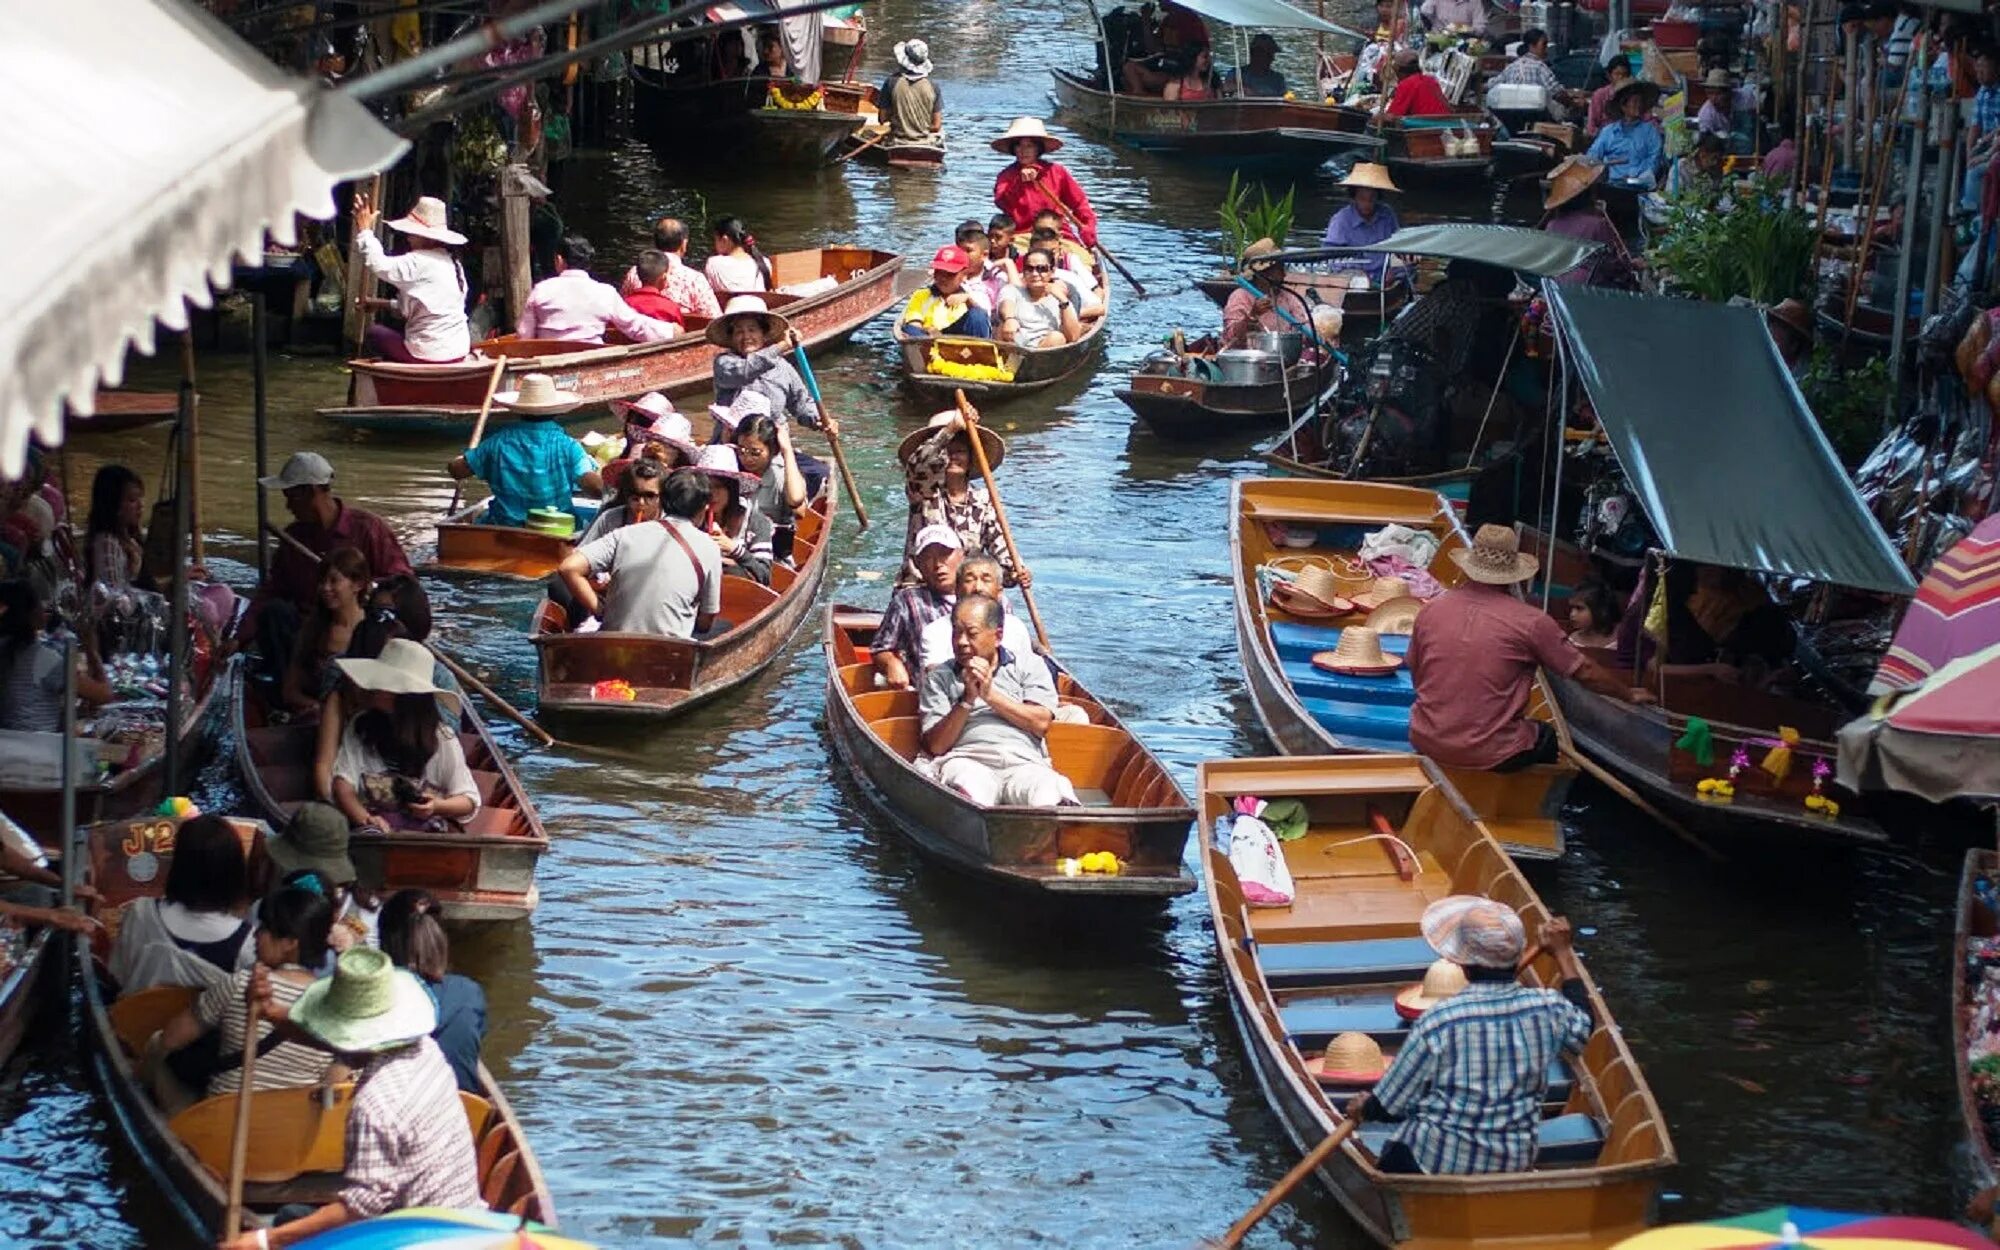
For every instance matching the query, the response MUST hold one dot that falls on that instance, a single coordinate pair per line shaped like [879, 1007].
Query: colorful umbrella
[433, 1228]
[1956, 611]
[1810, 1230]
[1940, 742]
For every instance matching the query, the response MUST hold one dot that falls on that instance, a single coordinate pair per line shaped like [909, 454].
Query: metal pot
[1286, 344]
[1247, 367]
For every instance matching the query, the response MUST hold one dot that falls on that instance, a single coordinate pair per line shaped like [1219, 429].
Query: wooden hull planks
[1264, 135]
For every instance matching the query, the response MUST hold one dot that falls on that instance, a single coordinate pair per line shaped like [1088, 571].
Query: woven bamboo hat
[368, 1004]
[1651, 90]
[996, 447]
[1317, 591]
[1717, 80]
[1352, 1059]
[538, 397]
[1027, 128]
[1396, 616]
[1574, 176]
[1495, 557]
[1381, 591]
[1441, 980]
[1369, 174]
[1358, 654]
[739, 307]
[1257, 256]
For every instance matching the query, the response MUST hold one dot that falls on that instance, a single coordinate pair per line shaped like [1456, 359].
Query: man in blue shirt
[1631, 145]
[533, 464]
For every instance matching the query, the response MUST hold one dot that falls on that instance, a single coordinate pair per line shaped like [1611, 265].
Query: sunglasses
[1038, 269]
[646, 496]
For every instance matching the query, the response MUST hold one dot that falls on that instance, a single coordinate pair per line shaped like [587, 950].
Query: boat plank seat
[1357, 518]
[291, 1134]
[1319, 855]
[137, 1016]
[1560, 1141]
[857, 679]
[883, 704]
[494, 821]
[1093, 757]
[902, 735]
[1369, 961]
[1389, 909]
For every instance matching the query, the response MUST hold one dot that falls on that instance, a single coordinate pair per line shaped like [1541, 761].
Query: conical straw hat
[1442, 980]
[1351, 1059]
[1369, 174]
[1570, 179]
[1358, 654]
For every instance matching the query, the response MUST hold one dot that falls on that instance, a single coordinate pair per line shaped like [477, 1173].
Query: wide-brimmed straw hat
[1358, 654]
[1441, 980]
[1381, 591]
[405, 667]
[1350, 1059]
[1793, 315]
[644, 410]
[1027, 128]
[1571, 178]
[1369, 174]
[1651, 89]
[315, 838]
[996, 447]
[1475, 932]
[1718, 79]
[426, 220]
[367, 1005]
[537, 397]
[718, 460]
[1396, 616]
[914, 55]
[739, 307]
[1256, 257]
[1495, 557]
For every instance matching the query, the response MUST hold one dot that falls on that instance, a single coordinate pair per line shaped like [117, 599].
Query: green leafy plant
[1243, 222]
[1756, 248]
[1848, 401]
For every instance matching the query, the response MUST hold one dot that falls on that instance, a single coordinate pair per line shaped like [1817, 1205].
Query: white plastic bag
[1260, 864]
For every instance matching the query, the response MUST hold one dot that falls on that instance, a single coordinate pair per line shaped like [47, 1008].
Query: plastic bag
[1260, 864]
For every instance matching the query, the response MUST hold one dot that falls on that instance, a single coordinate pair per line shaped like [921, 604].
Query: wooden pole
[1870, 203]
[971, 415]
[1291, 1180]
[484, 691]
[239, 1136]
[360, 285]
[514, 249]
[1102, 250]
[194, 448]
[832, 438]
[479, 426]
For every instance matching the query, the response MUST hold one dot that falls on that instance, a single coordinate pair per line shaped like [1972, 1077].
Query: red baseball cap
[950, 259]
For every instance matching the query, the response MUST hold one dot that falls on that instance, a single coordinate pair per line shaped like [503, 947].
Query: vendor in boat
[986, 715]
[1722, 625]
[31, 664]
[897, 650]
[1630, 144]
[755, 342]
[937, 481]
[1038, 314]
[1244, 312]
[1198, 82]
[1418, 92]
[429, 282]
[911, 102]
[408, 1143]
[114, 537]
[573, 307]
[1469, 16]
[1474, 653]
[1718, 111]
[1467, 1085]
[1260, 79]
[666, 579]
[1573, 212]
[1531, 68]
[1365, 220]
[1698, 175]
[1617, 72]
[1033, 184]
[532, 464]
[685, 285]
[946, 306]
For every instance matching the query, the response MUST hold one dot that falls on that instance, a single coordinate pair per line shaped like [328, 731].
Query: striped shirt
[1469, 1082]
[284, 1066]
[408, 1141]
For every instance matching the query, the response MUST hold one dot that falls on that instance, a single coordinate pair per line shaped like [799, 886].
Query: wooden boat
[929, 156]
[1981, 1171]
[443, 400]
[808, 136]
[1192, 408]
[1414, 149]
[115, 411]
[1362, 313]
[1132, 807]
[737, 115]
[1020, 370]
[1299, 452]
[465, 546]
[670, 676]
[26, 957]
[485, 872]
[296, 1145]
[1333, 961]
[1253, 134]
[1307, 711]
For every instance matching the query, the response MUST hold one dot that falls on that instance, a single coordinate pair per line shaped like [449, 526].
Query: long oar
[239, 1136]
[1279, 1192]
[832, 439]
[859, 148]
[1101, 250]
[478, 427]
[498, 704]
[971, 416]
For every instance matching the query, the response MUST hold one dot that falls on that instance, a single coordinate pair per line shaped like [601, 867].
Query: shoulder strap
[700, 573]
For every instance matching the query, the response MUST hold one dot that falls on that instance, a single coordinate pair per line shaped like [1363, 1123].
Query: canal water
[746, 1015]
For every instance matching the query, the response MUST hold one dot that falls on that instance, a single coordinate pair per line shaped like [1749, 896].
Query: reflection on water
[746, 1015]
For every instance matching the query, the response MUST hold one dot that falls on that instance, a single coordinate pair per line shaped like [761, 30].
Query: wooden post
[359, 286]
[514, 240]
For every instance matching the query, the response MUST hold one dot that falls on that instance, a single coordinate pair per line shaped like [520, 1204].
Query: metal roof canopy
[1536, 253]
[1268, 14]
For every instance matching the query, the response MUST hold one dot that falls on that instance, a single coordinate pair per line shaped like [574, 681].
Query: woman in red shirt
[1032, 185]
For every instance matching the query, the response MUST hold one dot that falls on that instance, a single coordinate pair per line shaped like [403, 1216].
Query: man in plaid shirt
[1468, 1084]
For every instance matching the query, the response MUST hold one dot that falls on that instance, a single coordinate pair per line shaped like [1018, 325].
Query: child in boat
[1593, 616]
[533, 464]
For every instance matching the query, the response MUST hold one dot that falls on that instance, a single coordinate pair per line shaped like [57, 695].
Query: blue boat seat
[1371, 961]
[1561, 1141]
[1294, 640]
[1313, 1023]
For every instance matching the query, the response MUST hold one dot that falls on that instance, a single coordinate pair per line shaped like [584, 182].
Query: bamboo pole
[1868, 206]
[239, 1134]
[479, 426]
[971, 416]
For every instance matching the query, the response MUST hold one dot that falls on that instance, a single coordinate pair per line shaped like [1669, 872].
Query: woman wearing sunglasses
[1033, 314]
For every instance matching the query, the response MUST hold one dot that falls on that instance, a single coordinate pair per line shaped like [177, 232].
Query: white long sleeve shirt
[575, 307]
[430, 298]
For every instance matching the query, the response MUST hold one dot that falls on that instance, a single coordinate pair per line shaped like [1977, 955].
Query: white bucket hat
[367, 1005]
[538, 397]
[740, 306]
[914, 55]
[405, 668]
[746, 405]
[303, 468]
[426, 220]
[936, 536]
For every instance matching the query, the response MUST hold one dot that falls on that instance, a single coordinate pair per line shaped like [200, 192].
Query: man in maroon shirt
[1473, 655]
[1417, 94]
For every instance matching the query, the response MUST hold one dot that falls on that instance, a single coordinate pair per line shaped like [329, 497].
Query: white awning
[1269, 14]
[149, 146]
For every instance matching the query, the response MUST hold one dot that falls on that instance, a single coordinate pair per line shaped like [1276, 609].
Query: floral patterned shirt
[972, 518]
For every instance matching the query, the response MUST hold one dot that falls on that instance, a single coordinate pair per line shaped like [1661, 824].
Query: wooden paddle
[859, 148]
[1279, 1192]
[498, 704]
[971, 415]
[832, 439]
[479, 426]
[239, 1137]
[1101, 250]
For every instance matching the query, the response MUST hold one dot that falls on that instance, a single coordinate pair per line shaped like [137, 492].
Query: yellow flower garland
[775, 99]
[968, 371]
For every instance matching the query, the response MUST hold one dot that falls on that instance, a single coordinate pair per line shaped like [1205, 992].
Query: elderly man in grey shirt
[666, 577]
[986, 716]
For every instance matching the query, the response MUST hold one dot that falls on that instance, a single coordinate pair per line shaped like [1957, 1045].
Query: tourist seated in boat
[666, 579]
[1466, 1087]
[764, 449]
[1455, 15]
[978, 574]
[735, 266]
[1530, 67]
[531, 464]
[114, 536]
[199, 1054]
[1198, 82]
[429, 281]
[311, 853]
[1035, 184]
[685, 285]
[1630, 144]
[986, 716]
[1474, 653]
[946, 305]
[990, 271]
[1593, 617]
[1036, 314]
[573, 307]
[1574, 211]
[396, 764]
[1001, 244]
[1418, 92]
[740, 531]
[654, 431]
[408, 1143]
[1074, 280]
[411, 933]
[1163, 51]
[650, 298]
[1244, 313]
[197, 932]
[897, 650]
[910, 100]
[1260, 78]
[328, 630]
[937, 481]
[1698, 175]
[1600, 113]
[638, 500]
[400, 598]
[31, 664]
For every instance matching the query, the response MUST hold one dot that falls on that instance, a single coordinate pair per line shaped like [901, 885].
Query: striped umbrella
[434, 1228]
[1810, 1230]
[1956, 611]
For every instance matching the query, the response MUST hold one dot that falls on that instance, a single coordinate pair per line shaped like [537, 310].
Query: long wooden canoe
[1296, 450]
[1982, 1169]
[296, 1145]
[1266, 135]
[486, 872]
[1414, 149]
[444, 400]
[1306, 711]
[1191, 408]
[467, 546]
[1132, 807]
[1333, 961]
[1026, 369]
[669, 676]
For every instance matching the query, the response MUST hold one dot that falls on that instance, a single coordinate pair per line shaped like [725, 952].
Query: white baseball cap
[304, 468]
[936, 536]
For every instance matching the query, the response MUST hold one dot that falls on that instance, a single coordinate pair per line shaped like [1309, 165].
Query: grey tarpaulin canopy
[1720, 449]
[1271, 14]
[149, 147]
[1536, 253]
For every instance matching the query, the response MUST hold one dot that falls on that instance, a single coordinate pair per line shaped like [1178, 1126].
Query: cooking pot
[1287, 344]
[1248, 367]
